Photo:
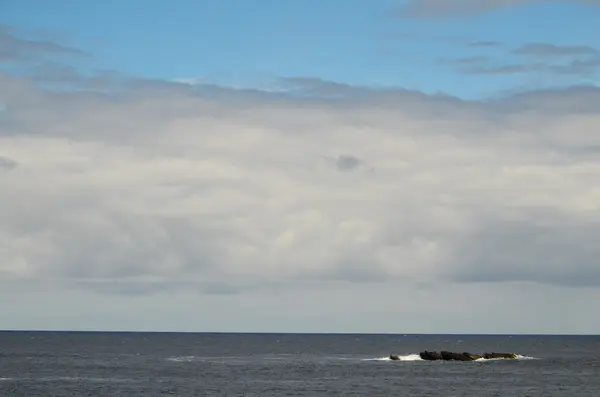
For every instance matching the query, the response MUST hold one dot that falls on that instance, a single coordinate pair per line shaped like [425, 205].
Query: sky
[378, 166]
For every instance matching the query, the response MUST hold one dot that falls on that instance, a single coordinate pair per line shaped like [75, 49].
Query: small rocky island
[465, 356]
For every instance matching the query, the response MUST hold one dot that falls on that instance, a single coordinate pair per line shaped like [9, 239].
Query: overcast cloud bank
[321, 188]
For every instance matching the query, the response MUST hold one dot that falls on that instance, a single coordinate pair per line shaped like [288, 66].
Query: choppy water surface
[146, 364]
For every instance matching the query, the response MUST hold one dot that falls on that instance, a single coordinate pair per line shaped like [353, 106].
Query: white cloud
[433, 8]
[162, 189]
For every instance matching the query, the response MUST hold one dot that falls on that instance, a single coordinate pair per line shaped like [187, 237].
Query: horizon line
[288, 333]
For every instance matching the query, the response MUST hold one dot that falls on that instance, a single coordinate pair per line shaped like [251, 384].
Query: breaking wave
[519, 357]
[408, 357]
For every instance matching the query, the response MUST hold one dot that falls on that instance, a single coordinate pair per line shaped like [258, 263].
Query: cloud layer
[317, 206]
[165, 186]
[440, 8]
[568, 61]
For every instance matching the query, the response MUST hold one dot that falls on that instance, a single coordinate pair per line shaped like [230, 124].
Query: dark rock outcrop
[487, 356]
[465, 356]
[431, 356]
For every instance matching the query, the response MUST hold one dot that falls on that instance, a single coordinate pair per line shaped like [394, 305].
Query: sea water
[206, 364]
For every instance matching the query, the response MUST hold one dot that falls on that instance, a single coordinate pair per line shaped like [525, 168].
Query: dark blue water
[148, 364]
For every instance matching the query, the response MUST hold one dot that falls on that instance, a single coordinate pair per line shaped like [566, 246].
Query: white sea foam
[519, 357]
[182, 359]
[408, 357]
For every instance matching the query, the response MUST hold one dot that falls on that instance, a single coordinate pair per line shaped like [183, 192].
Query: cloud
[533, 247]
[485, 44]
[566, 60]
[547, 49]
[7, 164]
[16, 48]
[437, 8]
[466, 60]
[578, 68]
[149, 200]
[504, 69]
[347, 162]
[164, 186]
[573, 100]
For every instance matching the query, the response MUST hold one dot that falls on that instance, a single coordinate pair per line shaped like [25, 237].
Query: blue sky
[252, 43]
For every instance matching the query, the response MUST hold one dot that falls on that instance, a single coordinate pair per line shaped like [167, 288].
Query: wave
[182, 359]
[408, 357]
[519, 357]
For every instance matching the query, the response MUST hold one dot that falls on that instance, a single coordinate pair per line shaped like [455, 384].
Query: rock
[450, 356]
[430, 356]
[465, 356]
[487, 356]
[393, 357]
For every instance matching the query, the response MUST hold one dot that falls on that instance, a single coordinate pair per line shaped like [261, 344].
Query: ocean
[210, 364]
